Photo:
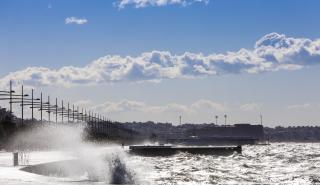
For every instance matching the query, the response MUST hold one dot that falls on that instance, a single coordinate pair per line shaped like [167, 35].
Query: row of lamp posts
[225, 119]
[39, 104]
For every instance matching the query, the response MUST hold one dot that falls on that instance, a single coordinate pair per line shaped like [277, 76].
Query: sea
[277, 163]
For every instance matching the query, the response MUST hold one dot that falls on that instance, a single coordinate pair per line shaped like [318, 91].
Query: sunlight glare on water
[287, 163]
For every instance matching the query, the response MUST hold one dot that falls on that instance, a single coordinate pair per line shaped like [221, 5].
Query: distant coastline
[152, 131]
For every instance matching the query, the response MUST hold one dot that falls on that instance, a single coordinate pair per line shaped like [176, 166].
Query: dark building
[237, 134]
[237, 130]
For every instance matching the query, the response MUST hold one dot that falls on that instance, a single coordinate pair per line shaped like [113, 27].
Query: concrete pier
[156, 150]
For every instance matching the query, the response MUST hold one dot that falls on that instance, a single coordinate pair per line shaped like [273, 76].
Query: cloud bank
[145, 3]
[272, 52]
[137, 106]
[299, 106]
[75, 20]
[250, 107]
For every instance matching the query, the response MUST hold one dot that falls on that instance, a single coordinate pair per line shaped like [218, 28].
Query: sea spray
[87, 161]
[120, 173]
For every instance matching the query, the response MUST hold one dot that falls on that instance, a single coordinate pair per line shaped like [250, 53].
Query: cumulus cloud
[84, 103]
[137, 106]
[272, 52]
[145, 3]
[250, 107]
[299, 106]
[75, 20]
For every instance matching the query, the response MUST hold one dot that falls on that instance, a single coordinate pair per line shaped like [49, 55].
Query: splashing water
[78, 161]
[120, 175]
[284, 163]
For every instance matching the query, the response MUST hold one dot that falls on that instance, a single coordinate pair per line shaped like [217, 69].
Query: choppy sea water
[278, 163]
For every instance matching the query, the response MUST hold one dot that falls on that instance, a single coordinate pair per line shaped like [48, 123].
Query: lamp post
[56, 110]
[22, 97]
[11, 97]
[81, 114]
[78, 113]
[85, 113]
[41, 107]
[225, 120]
[22, 105]
[68, 112]
[73, 113]
[32, 104]
[49, 109]
[216, 119]
[62, 111]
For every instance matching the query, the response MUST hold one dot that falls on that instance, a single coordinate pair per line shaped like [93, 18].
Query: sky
[141, 60]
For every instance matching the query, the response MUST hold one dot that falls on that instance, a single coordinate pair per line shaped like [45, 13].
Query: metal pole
[41, 107]
[56, 110]
[85, 113]
[89, 117]
[68, 112]
[94, 119]
[62, 111]
[10, 98]
[216, 120]
[49, 108]
[78, 113]
[32, 104]
[81, 114]
[22, 96]
[73, 113]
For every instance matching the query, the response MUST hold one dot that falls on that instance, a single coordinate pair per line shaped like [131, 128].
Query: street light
[68, 112]
[41, 107]
[73, 113]
[22, 96]
[62, 108]
[216, 119]
[49, 109]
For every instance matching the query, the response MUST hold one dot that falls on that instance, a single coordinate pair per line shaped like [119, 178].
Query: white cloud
[137, 106]
[250, 107]
[272, 52]
[145, 3]
[75, 20]
[84, 103]
[299, 106]
[209, 105]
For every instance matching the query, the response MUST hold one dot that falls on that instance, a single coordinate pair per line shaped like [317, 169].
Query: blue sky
[35, 34]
